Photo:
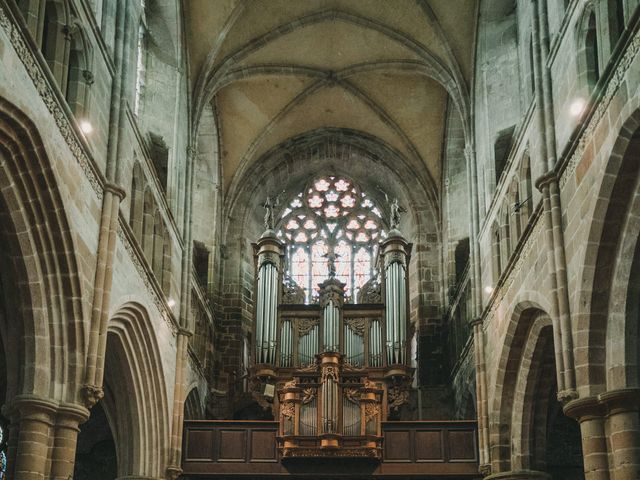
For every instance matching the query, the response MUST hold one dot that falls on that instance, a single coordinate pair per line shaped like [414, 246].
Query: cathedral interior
[306, 239]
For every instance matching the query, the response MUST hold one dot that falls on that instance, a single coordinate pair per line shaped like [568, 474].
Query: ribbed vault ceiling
[275, 69]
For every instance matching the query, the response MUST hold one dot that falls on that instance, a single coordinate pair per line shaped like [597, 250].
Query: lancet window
[331, 221]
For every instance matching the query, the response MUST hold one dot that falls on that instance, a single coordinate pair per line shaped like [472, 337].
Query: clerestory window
[331, 217]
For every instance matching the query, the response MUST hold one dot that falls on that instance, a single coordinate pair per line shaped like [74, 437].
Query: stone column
[481, 396]
[92, 389]
[36, 419]
[182, 342]
[623, 430]
[590, 414]
[472, 183]
[554, 240]
[65, 437]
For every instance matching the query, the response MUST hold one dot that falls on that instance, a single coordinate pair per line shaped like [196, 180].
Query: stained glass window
[331, 214]
[3, 451]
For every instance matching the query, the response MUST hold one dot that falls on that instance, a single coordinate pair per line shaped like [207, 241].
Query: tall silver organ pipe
[375, 344]
[307, 345]
[331, 327]
[286, 344]
[395, 254]
[353, 345]
[269, 257]
[331, 301]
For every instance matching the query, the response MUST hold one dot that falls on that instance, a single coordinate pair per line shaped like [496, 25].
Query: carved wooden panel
[219, 449]
[429, 446]
[397, 446]
[462, 445]
[199, 445]
[232, 446]
[263, 446]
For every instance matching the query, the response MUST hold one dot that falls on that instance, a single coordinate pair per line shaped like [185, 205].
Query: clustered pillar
[610, 429]
[43, 437]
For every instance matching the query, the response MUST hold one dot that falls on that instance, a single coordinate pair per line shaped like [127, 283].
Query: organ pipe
[269, 253]
[395, 257]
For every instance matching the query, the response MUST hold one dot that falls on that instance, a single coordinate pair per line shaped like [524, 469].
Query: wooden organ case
[331, 371]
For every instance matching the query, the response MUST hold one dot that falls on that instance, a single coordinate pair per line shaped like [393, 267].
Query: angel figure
[395, 210]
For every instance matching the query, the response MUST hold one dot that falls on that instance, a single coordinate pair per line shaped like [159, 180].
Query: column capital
[72, 412]
[116, 190]
[585, 408]
[485, 469]
[468, 151]
[544, 180]
[34, 407]
[173, 472]
[185, 332]
[567, 395]
[192, 151]
[91, 394]
[476, 321]
[621, 400]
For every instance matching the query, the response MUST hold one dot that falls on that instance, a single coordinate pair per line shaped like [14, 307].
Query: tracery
[331, 217]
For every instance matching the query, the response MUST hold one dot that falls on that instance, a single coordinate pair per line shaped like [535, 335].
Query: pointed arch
[136, 212]
[606, 356]
[47, 329]
[148, 217]
[588, 48]
[139, 419]
[54, 46]
[523, 331]
[193, 406]
[79, 76]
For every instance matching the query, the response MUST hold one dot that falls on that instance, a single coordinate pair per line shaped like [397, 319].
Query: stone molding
[51, 100]
[614, 83]
[141, 266]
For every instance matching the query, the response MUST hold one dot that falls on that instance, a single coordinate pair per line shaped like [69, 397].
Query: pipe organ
[331, 371]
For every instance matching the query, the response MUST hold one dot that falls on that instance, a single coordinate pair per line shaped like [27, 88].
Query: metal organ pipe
[268, 250]
[395, 259]
[273, 313]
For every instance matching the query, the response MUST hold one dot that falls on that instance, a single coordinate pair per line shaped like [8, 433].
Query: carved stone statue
[269, 215]
[395, 210]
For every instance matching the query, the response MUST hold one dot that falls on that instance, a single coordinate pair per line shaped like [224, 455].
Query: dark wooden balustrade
[410, 449]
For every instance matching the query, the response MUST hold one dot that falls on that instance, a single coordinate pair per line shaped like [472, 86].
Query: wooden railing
[410, 449]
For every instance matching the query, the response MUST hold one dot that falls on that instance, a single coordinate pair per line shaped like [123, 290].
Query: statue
[331, 260]
[269, 215]
[395, 210]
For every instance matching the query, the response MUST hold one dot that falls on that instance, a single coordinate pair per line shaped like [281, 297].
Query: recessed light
[86, 127]
[577, 107]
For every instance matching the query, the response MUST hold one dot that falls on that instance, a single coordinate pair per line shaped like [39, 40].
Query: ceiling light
[577, 107]
[488, 289]
[171, 303]
[86, 127]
